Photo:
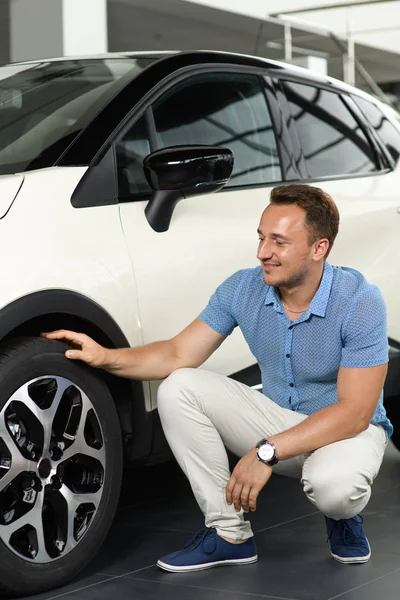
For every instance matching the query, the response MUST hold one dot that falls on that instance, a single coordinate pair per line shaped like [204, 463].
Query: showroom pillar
[46, 28]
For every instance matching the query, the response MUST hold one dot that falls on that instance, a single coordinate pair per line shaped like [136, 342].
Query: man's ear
[321, 248]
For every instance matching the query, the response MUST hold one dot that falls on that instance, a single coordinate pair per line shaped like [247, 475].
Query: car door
[342, 157]
[210, 237]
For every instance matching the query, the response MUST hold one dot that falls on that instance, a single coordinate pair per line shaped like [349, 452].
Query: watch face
[266, 452]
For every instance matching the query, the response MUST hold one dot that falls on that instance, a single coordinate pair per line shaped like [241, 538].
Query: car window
[43, 105]
[130, 152]
[333, 141]
[385, 129]
[222, 109]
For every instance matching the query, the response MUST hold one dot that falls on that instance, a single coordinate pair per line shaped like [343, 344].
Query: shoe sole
[353, 559]
[219, 563]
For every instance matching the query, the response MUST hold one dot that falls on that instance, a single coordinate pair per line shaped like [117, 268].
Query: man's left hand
[247, 480]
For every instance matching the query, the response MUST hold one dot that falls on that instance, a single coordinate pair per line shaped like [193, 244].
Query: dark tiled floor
[157, 514]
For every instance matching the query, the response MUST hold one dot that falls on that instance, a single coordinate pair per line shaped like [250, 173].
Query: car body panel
[10, 186]
[59, 247]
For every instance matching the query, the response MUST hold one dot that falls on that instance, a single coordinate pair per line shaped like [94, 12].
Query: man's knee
[174, 388]
[338, 496]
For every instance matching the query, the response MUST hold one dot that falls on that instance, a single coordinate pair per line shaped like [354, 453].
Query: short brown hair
[322, 215]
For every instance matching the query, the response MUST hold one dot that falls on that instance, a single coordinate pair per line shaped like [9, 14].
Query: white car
[95, 154]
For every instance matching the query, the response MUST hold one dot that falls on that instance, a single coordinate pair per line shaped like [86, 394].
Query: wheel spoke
[34, 519]
[18, 462]
[48, 414]
[43, 417]
[74, 501]
[18, 459]
[42, 555]
[80, 446]
[83, 448]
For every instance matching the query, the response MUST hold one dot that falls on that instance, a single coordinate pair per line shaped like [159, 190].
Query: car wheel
[60, 465]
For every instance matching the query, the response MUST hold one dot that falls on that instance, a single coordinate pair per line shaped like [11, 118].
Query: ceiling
[176, 24]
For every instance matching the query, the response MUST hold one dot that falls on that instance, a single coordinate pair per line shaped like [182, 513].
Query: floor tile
[385, 587]
[127, 589]
[134, 549]
[81, 582]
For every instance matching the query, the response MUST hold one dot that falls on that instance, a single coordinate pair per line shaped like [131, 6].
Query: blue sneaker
[348, 540]
[207, 549]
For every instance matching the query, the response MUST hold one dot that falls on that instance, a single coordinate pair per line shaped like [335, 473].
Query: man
[319, 335]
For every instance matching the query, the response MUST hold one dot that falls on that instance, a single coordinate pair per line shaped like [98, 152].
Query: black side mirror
[180, 172]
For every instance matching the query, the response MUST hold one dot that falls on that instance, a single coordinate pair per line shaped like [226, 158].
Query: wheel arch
[66, 309]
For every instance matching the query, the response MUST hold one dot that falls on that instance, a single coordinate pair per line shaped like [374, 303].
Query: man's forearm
[324, 427]
[153, 361]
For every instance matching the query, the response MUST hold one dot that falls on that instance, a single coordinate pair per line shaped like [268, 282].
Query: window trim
[287, 116]
[378, 140]
[382, 161]
[381, 168]
[289, 170]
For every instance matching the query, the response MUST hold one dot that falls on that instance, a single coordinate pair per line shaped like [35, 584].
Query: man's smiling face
[284, 249]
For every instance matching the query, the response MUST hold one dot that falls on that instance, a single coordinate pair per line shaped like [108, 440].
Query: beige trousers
[202, 412]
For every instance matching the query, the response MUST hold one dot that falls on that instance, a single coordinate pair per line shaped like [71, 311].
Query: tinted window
[130, 152]
[332, 140]
[227, 110]
[43, 105]
[385, 129]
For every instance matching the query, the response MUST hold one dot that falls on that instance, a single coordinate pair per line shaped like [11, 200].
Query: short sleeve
[365, 338]
[219, 313]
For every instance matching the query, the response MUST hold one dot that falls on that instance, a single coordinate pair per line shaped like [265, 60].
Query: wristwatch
[266, 452]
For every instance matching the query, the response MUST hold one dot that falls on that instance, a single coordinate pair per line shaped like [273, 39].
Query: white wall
[27, 21]
[46, 28]
[84, 26]
[375, 25]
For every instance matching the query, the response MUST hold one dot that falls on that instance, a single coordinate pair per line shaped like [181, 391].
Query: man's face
[284, 249]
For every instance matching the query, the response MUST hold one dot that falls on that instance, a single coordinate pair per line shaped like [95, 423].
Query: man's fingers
[253, 499]
[236, 495]
[229, 487]
[244, 498]
[75, 339]
[73, 354]
[64, 334]
[58, 334]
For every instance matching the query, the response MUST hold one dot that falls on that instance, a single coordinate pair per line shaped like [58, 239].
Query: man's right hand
[190, 348]
[85, 349]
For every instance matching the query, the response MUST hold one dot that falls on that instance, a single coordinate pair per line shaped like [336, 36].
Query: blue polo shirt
[345, 325]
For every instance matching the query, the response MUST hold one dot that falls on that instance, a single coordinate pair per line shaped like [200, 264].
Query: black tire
[97, 474]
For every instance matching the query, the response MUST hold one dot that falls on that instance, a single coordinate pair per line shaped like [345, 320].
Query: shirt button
[291, 384]
[290, 326]
[287, 355]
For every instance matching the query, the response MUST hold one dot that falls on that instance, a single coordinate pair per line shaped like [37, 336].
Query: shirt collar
[272, 297]
[319, 302]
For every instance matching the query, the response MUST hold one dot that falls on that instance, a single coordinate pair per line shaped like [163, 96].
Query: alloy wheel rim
[52, 468]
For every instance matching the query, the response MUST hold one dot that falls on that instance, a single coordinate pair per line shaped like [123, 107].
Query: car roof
[231, 57]
[100, 56]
